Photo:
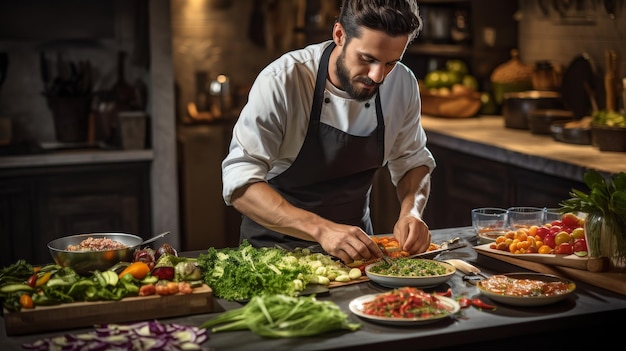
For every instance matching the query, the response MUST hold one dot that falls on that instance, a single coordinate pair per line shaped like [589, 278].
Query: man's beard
[346, 83]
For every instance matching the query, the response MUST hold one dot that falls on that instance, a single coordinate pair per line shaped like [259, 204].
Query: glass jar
[544, 77]
[606, 237]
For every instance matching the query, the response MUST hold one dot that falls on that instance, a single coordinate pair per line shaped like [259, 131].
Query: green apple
[470, 82]
[457, 66]
[489, 106]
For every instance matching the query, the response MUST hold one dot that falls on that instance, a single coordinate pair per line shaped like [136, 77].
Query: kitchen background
[176, 51]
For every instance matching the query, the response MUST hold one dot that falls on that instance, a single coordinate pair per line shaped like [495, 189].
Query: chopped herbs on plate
[409, 267]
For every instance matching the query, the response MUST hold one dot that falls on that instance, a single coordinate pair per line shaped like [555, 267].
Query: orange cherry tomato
[26, 301]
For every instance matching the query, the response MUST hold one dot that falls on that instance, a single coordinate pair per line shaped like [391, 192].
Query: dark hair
[394, 17]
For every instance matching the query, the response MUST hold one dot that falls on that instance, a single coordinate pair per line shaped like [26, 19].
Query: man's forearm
[413, 191]
[264, 205]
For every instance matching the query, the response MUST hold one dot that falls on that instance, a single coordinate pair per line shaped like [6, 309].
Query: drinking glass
[525, 216]
[489, 223]
[551, 215]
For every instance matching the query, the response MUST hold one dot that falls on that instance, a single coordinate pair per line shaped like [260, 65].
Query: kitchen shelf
[439, 49]
[488, 43]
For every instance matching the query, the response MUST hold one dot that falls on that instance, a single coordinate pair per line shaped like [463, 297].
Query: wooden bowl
[452, 106]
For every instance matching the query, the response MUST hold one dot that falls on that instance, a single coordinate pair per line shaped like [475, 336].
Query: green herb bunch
[243, 272]
[609, 118]
[283, 316]
[607, 196]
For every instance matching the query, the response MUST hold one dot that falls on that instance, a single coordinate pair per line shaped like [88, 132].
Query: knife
[447, 245]
[466, 268]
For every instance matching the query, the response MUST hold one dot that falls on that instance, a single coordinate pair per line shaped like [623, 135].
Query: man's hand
[412, 234]
[348, 243]
[265, 206]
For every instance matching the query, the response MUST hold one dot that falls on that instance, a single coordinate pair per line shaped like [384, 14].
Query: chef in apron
[306, 182]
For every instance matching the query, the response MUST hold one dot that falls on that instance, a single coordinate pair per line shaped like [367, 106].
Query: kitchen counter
[584, 317]
[75, 157]
[486, 136]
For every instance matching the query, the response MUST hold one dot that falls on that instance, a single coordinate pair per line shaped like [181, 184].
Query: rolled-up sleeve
[256, 138]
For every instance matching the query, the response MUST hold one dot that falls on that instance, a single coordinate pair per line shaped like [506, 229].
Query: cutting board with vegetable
[87, 314]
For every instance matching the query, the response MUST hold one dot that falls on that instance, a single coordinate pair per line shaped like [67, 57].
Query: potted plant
[605, 224]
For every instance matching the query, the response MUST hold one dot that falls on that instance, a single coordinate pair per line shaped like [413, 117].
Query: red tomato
[465, 302]
[570, 220]
[555, 229]
[32, 280]
[549, 240]
[564, 249]
[580, 245]
[542, 232]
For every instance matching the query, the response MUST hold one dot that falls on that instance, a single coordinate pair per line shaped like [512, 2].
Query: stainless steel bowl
[85, 262]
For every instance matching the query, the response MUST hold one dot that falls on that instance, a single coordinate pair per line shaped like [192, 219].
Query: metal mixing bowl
[85, 262]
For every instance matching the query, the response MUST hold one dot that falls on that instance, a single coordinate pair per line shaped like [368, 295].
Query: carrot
[138, 270]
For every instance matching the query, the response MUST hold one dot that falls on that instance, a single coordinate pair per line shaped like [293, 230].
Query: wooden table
[586, 317]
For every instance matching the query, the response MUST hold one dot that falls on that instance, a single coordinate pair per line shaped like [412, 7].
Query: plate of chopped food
[392, 247]
[404, 306]
[526, 289]
[406, 271]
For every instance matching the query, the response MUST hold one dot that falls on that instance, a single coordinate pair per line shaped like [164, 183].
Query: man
[318, 124]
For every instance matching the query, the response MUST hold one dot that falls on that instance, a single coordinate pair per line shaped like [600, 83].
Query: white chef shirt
[272, 126]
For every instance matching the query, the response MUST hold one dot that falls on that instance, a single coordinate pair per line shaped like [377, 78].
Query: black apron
[331, 176]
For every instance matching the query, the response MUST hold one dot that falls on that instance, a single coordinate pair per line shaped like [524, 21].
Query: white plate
[392, 281]
[356, 307]
[529, 300]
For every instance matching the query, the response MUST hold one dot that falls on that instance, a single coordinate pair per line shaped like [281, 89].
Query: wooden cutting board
[571, 261]
[613, 281]
[86, 314]
[362, 279]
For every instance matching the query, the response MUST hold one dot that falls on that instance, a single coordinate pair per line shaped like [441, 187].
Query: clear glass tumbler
[525, 216]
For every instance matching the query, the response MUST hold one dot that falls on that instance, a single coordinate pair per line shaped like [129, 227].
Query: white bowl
[397, 281]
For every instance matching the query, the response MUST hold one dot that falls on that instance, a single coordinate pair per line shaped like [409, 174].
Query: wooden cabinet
[462, 181]
[39, 204]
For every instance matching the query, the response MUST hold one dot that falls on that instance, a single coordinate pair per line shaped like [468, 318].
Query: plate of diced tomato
[404, 306]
